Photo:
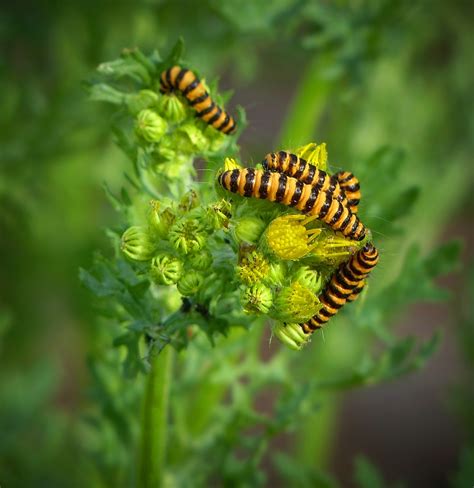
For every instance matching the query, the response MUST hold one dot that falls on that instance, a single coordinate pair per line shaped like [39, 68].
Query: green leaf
[399, 359]
[175, 56]
[102, 92]
[125, 67]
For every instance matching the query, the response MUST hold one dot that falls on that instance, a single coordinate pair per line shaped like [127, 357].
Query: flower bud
[201, 261]
[218, 215]
[295, 303]
[192, 139]
[189, 201]
[277, 274]
[172, 108]
[190, 283]
[160, 222]
[248, 229]
[150, 126]
[141, 100]
[292, 335]
[187, 236]
[137, 244]
[309, 279]
[253, 268]
[166, 269]
[257, 299]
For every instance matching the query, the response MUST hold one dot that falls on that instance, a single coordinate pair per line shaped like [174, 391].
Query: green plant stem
[308, 105]
[155, 420]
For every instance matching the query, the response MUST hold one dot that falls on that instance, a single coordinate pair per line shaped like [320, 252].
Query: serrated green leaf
[175, 55]
[101, 92]
[125, 66]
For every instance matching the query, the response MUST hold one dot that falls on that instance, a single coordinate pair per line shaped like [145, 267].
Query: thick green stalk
[155, 420]
[307, 106]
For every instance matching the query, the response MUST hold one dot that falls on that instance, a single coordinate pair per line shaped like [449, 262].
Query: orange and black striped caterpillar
[184, 80]
[344, 186]
[278, 187]
[345, 285]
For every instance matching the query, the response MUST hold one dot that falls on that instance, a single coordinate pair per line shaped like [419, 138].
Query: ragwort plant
[196, 274]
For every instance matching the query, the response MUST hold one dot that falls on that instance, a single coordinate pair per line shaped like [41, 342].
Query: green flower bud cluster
[284, 292]
[177, 243]
[168, 129]
[160, 131]
[208, 244]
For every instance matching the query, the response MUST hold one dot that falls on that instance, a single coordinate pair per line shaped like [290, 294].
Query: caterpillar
[278, 187]
[185, 81]
[342, 185]
[351, 188]
[345, 285]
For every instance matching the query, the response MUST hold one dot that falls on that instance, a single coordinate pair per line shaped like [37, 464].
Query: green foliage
[370, 62]
[205, 373]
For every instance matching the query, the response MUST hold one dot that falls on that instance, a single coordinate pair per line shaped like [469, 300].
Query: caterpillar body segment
[345, 285]
[343, 185]
[351, 187]
[356, 292]
[296, 167]
[278, 187]
[186, 82]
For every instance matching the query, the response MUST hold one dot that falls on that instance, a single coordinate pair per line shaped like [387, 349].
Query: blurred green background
[358, 74]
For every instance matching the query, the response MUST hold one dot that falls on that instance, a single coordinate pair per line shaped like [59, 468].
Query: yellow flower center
[296, 303]
[288, 237]
[253, 268]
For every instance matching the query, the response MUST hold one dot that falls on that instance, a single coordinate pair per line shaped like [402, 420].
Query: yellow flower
[334, 249]
[288, 238]
[253, 268]
[295, 303]
[230, 164]
[315, 154]
[292, 335]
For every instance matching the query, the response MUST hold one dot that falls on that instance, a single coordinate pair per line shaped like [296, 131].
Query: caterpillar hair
[345, 285]
[185, 81]
[278, 187]
[342, 185]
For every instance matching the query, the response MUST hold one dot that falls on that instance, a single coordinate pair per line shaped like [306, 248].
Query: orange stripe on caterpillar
[343, 185]
[186, 82]
[280, 188]
[345, 285]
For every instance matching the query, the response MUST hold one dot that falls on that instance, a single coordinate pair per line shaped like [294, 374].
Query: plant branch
[155, 420]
